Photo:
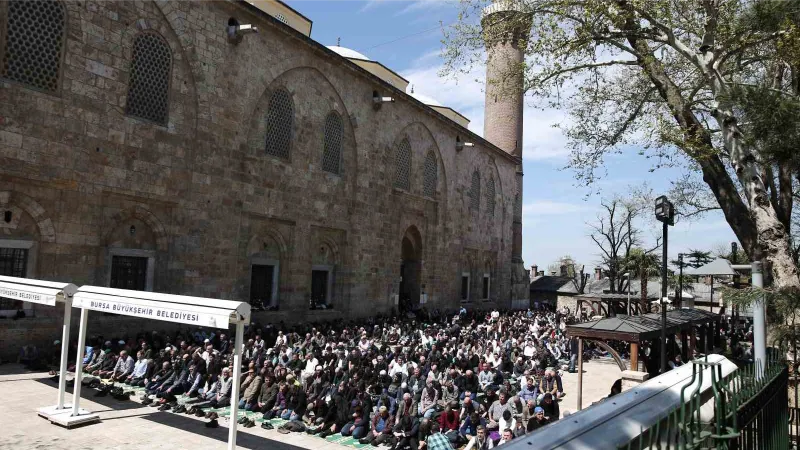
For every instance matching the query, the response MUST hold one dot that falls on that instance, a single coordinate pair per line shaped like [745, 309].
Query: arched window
[332, 151]
[402, 166]
[34, 40]
[430, 175]
[280, 118]
[490, 199]
[475, 191]
[148, 88]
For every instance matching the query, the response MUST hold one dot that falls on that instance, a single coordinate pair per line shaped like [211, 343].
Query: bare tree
[616, 236]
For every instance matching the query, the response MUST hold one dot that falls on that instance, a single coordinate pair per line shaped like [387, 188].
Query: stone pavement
[129, 425]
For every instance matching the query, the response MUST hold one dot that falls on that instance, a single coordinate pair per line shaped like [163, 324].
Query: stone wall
[201, 198]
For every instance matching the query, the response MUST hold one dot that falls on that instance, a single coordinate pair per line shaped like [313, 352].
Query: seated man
[161, 379]
[252, 390]
[406, 433]
[481, 440]
[219, 393]
[122, 368]
[357, 427]
[338, 413]
[550, 384]
[508, 436]
[538, 420]
[381, 429]
[139, 370]
[529, 391]
[104, 364]
[449, 422]
[436, 440]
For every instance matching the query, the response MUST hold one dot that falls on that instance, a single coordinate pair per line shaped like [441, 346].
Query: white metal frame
[30, 268]
[198, 311]
[46, 293]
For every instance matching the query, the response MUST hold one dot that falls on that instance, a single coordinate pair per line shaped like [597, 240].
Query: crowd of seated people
[474, 380]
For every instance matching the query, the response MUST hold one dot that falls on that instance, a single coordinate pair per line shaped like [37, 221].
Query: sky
[406, 35]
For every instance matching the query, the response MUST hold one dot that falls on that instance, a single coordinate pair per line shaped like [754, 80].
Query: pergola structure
[609, 305]
[197, 311]
[48, 293]
[635, 330]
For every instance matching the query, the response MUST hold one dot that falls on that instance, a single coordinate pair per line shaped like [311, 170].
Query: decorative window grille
[402, 166]
[34, 39]
[430, 175]
[490, 199]
[280, 119]
[332, 151]
[148, 89]
[282, 18]
[475, 191]
[13, 263]
[129, 272]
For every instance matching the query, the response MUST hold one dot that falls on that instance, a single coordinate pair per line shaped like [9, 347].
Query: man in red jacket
[449, 423]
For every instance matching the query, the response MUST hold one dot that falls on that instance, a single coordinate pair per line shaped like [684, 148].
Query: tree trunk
[771, 234]
[756, 225]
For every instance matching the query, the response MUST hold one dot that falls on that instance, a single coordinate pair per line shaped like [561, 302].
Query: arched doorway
[410, 266]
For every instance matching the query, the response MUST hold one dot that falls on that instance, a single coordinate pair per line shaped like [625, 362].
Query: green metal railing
[750, 411]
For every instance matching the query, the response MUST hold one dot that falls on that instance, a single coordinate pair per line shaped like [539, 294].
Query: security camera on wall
[236, 31]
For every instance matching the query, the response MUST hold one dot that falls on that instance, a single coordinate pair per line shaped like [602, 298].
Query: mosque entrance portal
[410, 268]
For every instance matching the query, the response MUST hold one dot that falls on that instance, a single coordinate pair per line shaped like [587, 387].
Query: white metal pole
[62, 369]
[76, 390]
[237, 374]
[580, 374]
[759, 323]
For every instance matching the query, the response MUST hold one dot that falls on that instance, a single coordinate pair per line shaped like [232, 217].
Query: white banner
[33, 294]
[170, 312]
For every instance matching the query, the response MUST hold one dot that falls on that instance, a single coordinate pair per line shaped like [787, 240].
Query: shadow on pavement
[89, 394]
[244, 440]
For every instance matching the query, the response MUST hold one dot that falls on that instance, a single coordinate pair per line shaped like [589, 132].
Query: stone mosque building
[164, 146]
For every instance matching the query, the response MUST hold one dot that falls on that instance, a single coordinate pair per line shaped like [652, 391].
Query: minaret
[506, 29]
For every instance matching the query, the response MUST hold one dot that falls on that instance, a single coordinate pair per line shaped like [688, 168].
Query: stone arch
[186, 122]
[177, 22]
[258, 109]
[143, 215]
[332, 255]
[422, 141]
[258, 242]
[11, 199]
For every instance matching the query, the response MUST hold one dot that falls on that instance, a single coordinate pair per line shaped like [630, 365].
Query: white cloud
[465, 93]
[550, 208]
[413, 5]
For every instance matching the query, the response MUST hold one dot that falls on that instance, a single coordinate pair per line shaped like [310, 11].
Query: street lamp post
[665, 213]
[679, 294]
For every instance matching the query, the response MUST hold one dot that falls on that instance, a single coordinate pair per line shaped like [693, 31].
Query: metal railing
[747, 411]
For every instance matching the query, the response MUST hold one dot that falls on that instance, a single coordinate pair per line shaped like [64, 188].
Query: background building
[143, 145]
